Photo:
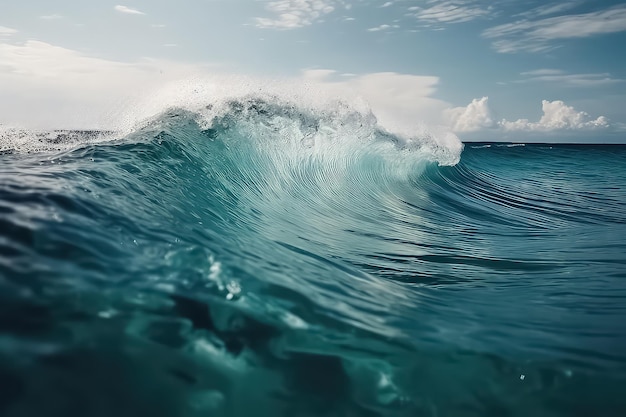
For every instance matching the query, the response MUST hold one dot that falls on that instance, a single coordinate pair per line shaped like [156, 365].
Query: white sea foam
[211, 97]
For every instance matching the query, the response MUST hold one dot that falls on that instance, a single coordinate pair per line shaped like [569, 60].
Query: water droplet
[107, 314]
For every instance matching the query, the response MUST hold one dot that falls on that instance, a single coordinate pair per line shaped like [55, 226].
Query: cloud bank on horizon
[556, 116]
[528, 60]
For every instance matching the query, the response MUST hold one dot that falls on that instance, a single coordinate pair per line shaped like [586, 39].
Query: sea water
[270, 259]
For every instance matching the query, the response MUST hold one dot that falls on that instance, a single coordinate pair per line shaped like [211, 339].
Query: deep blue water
[284, 264]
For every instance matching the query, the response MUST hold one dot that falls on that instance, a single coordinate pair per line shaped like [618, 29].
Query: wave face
[276, 261]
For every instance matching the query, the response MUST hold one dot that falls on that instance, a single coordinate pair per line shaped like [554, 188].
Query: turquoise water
[285, 263]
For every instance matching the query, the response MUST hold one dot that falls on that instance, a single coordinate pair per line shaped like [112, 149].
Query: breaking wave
[259, 256]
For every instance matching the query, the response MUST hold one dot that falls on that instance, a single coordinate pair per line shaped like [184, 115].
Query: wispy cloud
[389, 3]
[51, 17]
[5, 31]
[554, 76]
[538, 35]
[550, 9]
[382, 27]
[292, 14]
[127, 10]
[449, 11]
[542, 72]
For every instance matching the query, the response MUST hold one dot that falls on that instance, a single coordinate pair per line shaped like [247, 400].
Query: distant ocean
[273, 260]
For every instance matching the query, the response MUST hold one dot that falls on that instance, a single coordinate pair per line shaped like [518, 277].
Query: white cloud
[5, 31]
[47, 86]
[557, 116]
[389, 3]
[450, 11]
[551, 8]
[477, 116]
[292, 14]
[378, 28]
[537, 35]
[127, 10]
[51, 17]
[554, 76]
[401, 102]
[542, 72]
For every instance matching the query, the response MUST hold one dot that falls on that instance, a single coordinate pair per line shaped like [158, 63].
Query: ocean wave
[292, 111]
[255, 256]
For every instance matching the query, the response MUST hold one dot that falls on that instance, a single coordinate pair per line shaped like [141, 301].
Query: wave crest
[273, 122]
[297, 113]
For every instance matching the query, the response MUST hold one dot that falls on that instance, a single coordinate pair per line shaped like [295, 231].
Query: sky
[506, 70]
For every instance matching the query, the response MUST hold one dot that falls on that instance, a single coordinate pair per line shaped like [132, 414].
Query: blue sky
[553, 70]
